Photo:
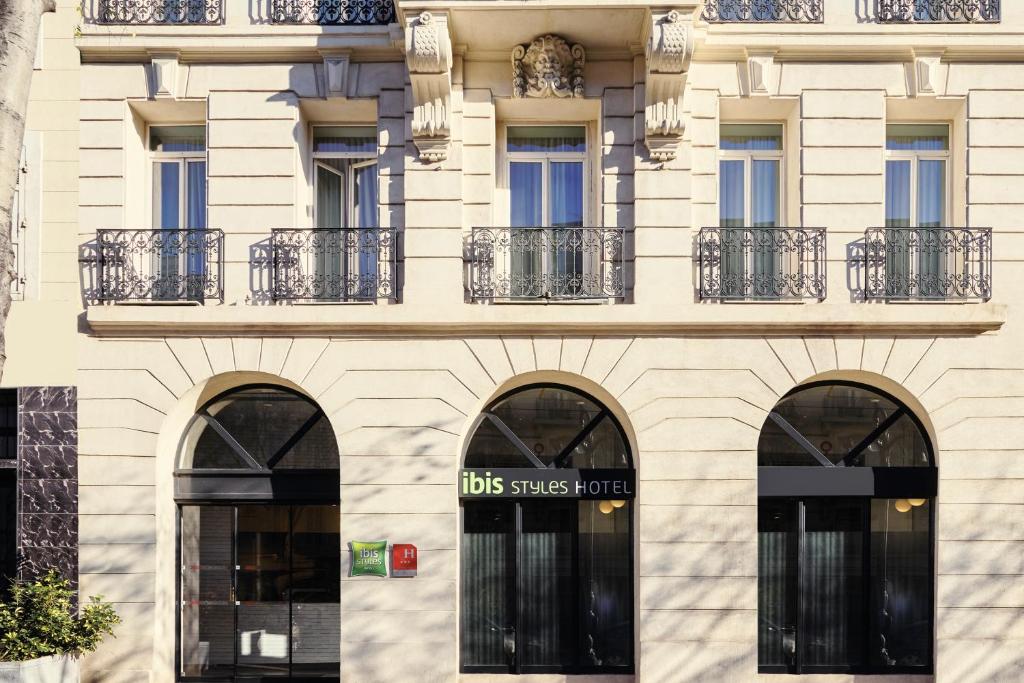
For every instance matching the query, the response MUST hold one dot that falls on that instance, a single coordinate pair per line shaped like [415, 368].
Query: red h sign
[403, 560]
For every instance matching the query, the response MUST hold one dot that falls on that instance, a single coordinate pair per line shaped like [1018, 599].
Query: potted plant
[41, 635]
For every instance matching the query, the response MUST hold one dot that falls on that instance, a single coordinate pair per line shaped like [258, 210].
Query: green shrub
[38, 620]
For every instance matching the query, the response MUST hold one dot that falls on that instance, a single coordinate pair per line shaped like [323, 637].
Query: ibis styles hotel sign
[525, 482]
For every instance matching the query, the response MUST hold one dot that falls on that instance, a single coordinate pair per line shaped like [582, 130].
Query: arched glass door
[258, 535]
[547, 561]
[846, 492]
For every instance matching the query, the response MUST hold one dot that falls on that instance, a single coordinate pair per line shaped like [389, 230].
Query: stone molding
[667, 52]
[165, 76]
[548, 67]
[923, 73]
[428, 54]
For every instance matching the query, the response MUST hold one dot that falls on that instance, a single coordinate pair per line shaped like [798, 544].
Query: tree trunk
[19, 35]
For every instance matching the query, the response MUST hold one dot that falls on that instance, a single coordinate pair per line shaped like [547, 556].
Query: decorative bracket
[667, 54]
[548, 67]
[335, 77]
[924, 72]
[428, 53]
[760, 73]
[165, 76]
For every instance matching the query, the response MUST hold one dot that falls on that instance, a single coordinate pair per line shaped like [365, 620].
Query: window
[547, 583]
[845, 560]
[749, 206]
[547, 189]
[345, 210]
[179, 210]
[916, 207]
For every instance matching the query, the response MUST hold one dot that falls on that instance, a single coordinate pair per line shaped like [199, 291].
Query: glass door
[260, 589]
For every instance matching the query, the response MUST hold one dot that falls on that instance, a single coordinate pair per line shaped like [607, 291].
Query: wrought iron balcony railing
[918, 264]
[159, 265]
[571, 263]
[352, 264]
[939, 11]
[767, 11]
[762, 263]
[160, 12]
[332, 12]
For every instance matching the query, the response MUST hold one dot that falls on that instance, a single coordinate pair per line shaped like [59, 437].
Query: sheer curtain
[732, 214]
[195, 196]
[931, 214]
[526, 194]
[365, 212]
[330, 216]
[897, 215]
[566, 207]
[764, 209]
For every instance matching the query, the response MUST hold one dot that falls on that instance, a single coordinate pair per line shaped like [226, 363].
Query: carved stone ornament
[548, 67]
[164, 76]
[667, 54]
[428, 53]
[924, 73]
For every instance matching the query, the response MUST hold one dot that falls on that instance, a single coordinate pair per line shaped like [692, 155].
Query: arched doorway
[846, 490]
[547, 537]
[257, 490]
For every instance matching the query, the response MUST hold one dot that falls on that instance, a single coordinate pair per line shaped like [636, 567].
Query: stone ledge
[547, 319]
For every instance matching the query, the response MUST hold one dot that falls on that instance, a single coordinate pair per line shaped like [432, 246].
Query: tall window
[547, 581]
[749, 205]
[345, 159]
[846, 488]
[916, 206]
[547, 187]
[179, 204]
[257, 487]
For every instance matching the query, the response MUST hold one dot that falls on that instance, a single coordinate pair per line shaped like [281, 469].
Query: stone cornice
[929, 320]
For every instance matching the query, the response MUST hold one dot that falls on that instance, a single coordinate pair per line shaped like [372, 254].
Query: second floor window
[750, 205]
[916, 207]
[547, 187]
[179, 210]
[345, 209]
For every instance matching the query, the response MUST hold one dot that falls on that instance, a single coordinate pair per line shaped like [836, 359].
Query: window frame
[915, 157]
[789, 488]
[748, 157]
[182, 159]
[356, 159]
[546, 159]
[513, 576]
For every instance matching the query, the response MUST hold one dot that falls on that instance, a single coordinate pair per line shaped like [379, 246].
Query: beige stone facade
[403, 378]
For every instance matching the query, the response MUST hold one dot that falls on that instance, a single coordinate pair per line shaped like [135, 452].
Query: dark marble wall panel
[48, 481]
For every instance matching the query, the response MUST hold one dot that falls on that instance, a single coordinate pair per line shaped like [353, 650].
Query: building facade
[678, 339]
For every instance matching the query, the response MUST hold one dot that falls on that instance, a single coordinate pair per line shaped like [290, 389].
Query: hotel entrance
[258, 541]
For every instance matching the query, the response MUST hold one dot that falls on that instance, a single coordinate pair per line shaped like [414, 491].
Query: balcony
[159, 265]
[939, 11]
[762, 264]
[928, 264]
[189, 12]
[357, 264]
[541, 263]
[764, 11]
[332, 12]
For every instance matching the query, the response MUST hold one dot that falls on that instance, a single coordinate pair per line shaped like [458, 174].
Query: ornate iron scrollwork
[546, 263]
[762, 263]
[332, 12]
[939, 11]
[160, 12]
[353, 264]
[799, 11]
[928, 263]
[159, 265]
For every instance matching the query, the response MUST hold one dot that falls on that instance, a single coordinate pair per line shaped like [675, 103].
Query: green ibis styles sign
[516, 482]
[369, 558]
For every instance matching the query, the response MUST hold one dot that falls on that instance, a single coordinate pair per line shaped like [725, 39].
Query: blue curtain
[330, 216]
[365, 211]
[195, 196]
[526, 196]
[731, 214]
[897, 215]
